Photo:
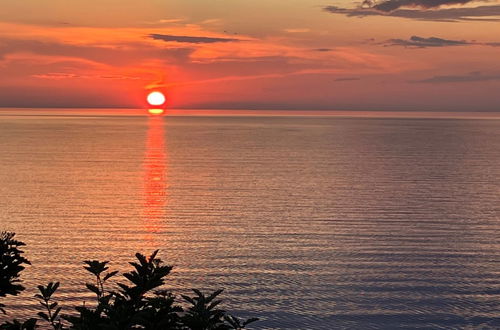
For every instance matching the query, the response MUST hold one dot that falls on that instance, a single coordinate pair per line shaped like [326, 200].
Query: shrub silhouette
[45, 297]
[11, 265]
[136, 303]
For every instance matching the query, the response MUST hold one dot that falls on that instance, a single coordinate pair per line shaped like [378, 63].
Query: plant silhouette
[45, 297]
[137, 301]
[11, 265]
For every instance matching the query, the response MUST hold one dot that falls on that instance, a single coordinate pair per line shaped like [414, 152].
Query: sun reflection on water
[156, 111]
[155, 178]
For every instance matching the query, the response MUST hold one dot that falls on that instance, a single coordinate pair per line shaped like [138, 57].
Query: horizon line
[179, 112]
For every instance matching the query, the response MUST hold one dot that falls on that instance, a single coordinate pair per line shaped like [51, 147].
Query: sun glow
[156, 98]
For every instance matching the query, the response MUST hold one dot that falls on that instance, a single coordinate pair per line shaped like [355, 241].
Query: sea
[307, 220]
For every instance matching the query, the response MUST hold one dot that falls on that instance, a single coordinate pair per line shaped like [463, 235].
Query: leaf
[54, 316]
[41, 288]
[153, 255]
[235, 323]
[214, 304]
[198, 292]
[215, 294]
[250, 320]
[188, 299]
[43, 316]
[30, 324]
[93, 288]
[141, 258]
[109, 275]
[55, 286]
[96, 267]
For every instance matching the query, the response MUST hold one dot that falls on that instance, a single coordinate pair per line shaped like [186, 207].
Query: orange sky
[259, 54]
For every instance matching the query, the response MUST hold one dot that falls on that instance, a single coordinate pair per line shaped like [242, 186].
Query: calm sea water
[308, 223]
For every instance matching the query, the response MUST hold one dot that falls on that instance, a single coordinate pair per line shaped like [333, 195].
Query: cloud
[114, 55]
[421, 42]
[62, 75]
[56, 76]
[470, 77]
[188, 39]
[481, 13]
[391, 5]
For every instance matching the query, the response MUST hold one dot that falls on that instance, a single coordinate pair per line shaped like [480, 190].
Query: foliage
[137, 302]
[18, 325]
[203, 314]
[11, 265]
[129, 306]
[45, 297]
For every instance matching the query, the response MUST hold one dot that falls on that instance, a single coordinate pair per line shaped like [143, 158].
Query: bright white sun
[156, 98]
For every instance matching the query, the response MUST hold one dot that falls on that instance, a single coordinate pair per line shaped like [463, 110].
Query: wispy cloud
[421, 42]
[62, 75]
[189, 39]
[115, 55]
[391, 5]
[470, 77]
[481, 13]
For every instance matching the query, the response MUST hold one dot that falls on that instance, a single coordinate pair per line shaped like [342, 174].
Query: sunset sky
[425, 55]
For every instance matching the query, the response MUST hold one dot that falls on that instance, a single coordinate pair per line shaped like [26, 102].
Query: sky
[394, 55]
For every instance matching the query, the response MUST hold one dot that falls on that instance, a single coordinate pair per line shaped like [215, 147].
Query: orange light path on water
[155, 178]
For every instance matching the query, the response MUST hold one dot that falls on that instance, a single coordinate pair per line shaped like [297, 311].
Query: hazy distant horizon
[283, 108]
[248, 112]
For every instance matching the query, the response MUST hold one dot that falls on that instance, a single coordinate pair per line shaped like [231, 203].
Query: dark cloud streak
[420, 42]
[471, 77]
[391, 5]
[432, 42]
[191, 40]
[482, 13]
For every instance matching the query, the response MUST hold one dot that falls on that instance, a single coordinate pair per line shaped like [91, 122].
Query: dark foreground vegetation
[137, 302]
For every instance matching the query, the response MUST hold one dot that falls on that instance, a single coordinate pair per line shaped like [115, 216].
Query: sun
[156, 98]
